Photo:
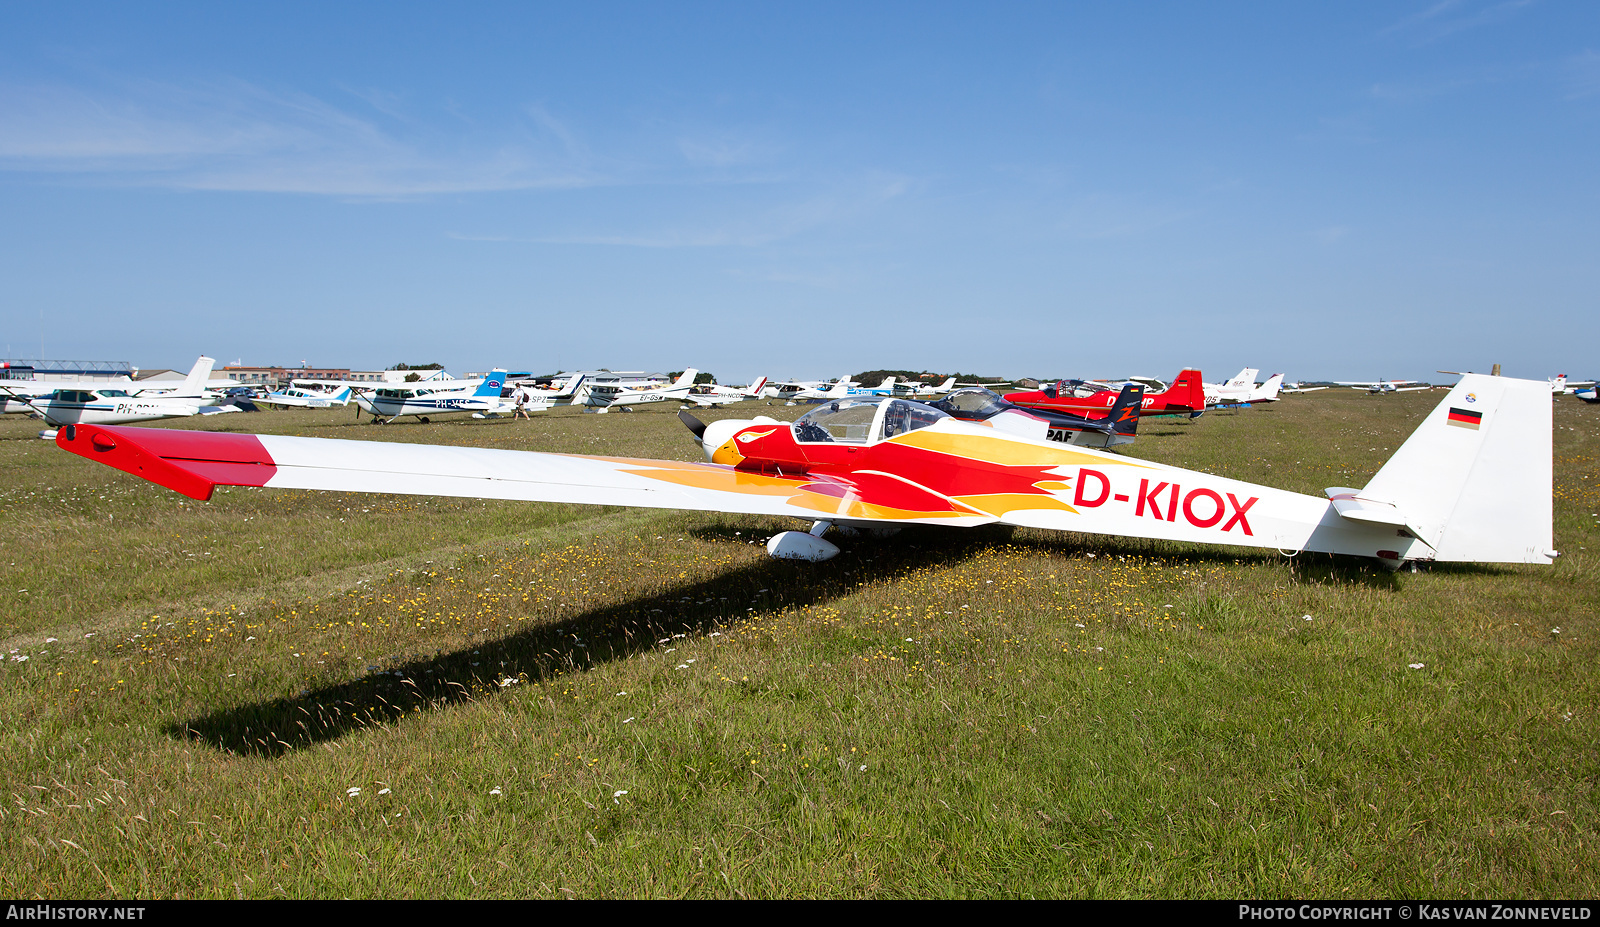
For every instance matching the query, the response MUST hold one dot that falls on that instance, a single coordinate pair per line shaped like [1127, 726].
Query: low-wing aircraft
[295, 397]
[1186, 395]
[1560, 385]
[1472, 483]
[1119, 426]
[1383, 386]
[1235, 392]
[114, 406]
[621, 397]
[716, 395]
[428, 398]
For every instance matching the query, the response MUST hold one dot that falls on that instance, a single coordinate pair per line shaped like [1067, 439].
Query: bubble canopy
[863, 420]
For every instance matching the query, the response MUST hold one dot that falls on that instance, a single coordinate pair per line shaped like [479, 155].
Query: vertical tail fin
[756, 388]
[1187, 393]
[199, 375]
[1269, 390]
[687, 377]
[491, 385]
[1474, 480]
[1124, 415]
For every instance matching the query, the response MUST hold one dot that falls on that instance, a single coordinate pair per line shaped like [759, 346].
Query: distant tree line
[414, 377]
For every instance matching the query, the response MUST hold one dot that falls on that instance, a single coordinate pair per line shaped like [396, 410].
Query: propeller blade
[693, 424]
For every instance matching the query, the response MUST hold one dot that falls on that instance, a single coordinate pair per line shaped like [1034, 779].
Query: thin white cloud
[1449, 17]
[240, 137]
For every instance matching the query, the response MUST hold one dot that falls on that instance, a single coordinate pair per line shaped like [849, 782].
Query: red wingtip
[190, 462]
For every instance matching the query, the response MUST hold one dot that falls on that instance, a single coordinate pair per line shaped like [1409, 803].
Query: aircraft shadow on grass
[614, 632]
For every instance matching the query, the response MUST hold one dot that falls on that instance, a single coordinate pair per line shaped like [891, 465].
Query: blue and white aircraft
[428, 398]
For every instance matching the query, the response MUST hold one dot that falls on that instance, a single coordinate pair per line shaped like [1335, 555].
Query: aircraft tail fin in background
[1269, 389]
[491, 385]
[1124, 415]
[199, 375]
[1473, 482]
[1187, 391]
[1246, 378]
[756, 387]
[687, 377]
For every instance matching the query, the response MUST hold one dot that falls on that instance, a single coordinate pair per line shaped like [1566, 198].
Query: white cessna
[433, 397]
[716, 395]
[611, 397]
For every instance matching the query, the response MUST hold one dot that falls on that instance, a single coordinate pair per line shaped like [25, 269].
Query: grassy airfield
[293, 694]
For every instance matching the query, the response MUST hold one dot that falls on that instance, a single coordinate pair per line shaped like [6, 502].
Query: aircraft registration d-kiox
[1472, 483]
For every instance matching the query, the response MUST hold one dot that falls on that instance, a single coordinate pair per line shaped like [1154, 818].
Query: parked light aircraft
[1382, 386]
[715, 395]
[1185, 395]
[295, 397]
[925, 390]
[621, 397]
[112, 406]
[1119, 426]
[1560, 385]
[194, 386]
[574, 390]
[790, 389]
[1235, 392]
[839, 389]
[1472, 483]
[429, 398]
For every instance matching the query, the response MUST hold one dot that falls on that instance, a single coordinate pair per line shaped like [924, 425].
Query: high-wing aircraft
[1185, 395]
[1472, 483]
[113, 406]
[295, 397]
[1119, 426]
[715, 395]
[621, 397]
[925, 391]
[839, 389]
[1383, 386]
[433, 397]
[195, 386]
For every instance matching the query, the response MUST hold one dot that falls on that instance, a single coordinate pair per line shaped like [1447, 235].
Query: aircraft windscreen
[851, 421]
[973, 404]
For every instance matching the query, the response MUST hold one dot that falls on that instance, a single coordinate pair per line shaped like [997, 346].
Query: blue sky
[1351, 190]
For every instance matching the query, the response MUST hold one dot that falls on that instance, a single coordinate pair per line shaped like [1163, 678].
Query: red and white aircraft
[1186, 395]
[1472, 483]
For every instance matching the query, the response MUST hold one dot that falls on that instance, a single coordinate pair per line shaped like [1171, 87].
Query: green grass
[551, 701]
